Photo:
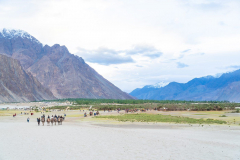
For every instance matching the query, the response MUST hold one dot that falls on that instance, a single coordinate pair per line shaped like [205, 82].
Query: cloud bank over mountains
[105, 56]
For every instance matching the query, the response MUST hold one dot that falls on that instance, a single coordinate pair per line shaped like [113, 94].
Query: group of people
[91, 113]
[131, 110]
[52, 119]
[109, 110]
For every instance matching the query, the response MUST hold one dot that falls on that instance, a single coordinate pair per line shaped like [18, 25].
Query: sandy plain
[90, 138]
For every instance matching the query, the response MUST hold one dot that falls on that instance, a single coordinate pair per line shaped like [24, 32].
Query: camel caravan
[53, 119]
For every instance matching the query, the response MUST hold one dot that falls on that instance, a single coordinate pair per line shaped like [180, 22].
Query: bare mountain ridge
[225, 87]
[16, 85]
[64, 74]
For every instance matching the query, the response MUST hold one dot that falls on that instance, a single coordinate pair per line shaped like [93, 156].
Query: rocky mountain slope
[226, 87]
[64, 74]
[16, 85]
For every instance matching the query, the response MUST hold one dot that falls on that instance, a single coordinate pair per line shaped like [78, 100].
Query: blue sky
[138, 42]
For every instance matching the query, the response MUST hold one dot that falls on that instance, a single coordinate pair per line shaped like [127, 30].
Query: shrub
[223, 116]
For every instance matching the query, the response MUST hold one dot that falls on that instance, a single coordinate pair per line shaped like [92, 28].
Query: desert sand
[89, 138]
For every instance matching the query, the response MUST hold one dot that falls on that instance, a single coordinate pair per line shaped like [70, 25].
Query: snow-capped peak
[12, 33]
[208, 77]
[218, 75]
[213, 76]
[158, 85]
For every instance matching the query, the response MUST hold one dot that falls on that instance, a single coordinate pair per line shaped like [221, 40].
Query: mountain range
[226, 87]
[57, 73]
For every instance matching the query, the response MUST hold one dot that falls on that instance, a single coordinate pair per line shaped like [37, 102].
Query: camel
[43, 120]
[55, 120]
[48, 121]
[59, 120]
[52, 120]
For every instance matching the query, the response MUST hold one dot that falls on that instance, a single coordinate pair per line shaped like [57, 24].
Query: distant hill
[225, 87]
[64, 74]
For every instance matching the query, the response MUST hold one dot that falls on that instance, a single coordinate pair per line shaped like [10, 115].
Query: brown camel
[48, 121]
[43, 120]
[52, 120]
[59, 119]
[55, 120]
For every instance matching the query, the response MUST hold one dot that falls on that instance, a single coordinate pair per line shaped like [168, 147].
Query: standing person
[38, 120]
[28, 119]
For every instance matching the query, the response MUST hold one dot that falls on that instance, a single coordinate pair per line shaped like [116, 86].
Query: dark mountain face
[208, 88]
[66, 75]
[17, 86]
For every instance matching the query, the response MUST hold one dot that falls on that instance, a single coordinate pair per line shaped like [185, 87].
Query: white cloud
[181, 65]
[144, 50]
[104, 56]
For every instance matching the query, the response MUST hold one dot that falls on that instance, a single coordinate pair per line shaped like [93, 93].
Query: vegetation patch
[161, 118]
[164, 105]
[222, 116]
[236, 111]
